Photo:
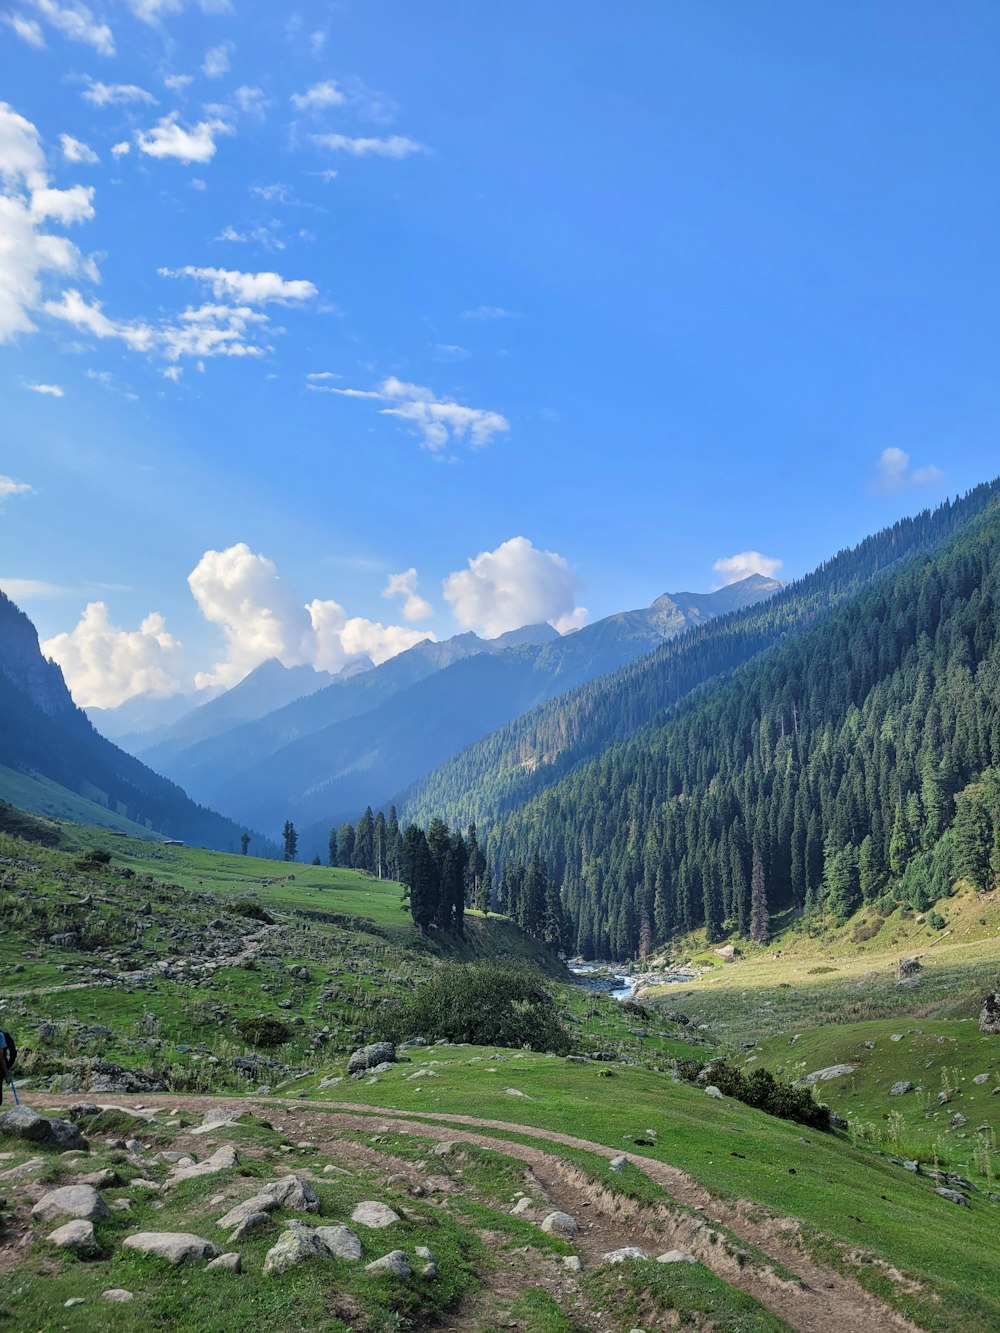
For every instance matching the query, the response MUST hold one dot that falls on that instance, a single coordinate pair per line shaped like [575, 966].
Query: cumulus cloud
[404, 585]
[216, 62]
[28, 251]
[73, 150]
[261, 617]
[895, 473]
[319, 97]
[115, 94]
[104, 665]
[76, 22]
[53, 390]
[437, 421]
[743, 564]
[89, 317]
[168, 138]
[512, 586]
[252, 288]
[394, 145]
[8, 486]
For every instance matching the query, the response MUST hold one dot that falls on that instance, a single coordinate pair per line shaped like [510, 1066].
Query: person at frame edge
[4, 1070]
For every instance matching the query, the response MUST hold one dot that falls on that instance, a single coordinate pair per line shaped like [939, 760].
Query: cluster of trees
[443, 872]
[373, 844]
[853, 763]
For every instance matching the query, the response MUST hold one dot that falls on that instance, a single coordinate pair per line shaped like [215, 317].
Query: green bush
[486, 1004]
[96, 859]
[761, 1090]
[265, 1032]
[251, 910]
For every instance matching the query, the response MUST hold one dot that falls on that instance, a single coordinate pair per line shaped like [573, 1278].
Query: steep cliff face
[22, 663]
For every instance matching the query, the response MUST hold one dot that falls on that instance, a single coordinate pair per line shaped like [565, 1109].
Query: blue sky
[593, 297]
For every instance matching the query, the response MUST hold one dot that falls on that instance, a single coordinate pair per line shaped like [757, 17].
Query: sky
[328, 327]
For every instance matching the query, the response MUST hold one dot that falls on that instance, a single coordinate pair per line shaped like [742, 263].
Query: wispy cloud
[744, 563]
[52, 390]
[115, 94]
[394, 145]
[320, 97]
[74, 150]
[76, 22]
[895, 473]
[216, 62]
[252, 288]
[8, 487]
[437, 421]
[489, 312]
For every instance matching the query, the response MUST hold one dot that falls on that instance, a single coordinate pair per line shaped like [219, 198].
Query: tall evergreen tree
[333, 857]
[759, 922]
[291, 840]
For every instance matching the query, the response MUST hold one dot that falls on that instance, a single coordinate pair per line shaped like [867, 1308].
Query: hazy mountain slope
[144, 714]
[508, 768]
[44, 735]
[833, 769]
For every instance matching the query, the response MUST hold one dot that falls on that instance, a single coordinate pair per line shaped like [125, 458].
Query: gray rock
[908, 967]
[78, 1237]
[422, 1252]
[953, 1196]
[989, 1018]
[117, 1294]
[177, 1247]
[980, 1079]
[24, 1123]
[713, 1091]
[572, 1263]
[341, 1241]
[221, 1160]
[298, 1245]
[676, 1257]
[368, 1213]
[395, 1262]
[618, 1164]
[957, 1120]
[66, 1136]
[898, 1089]
[251, 1223]
[624, 1256]
[429, 1270]
[824, 1075]
[522, 1206]
[226, 1263]
[560, 1224]
[80, 1201]
[368, 1057]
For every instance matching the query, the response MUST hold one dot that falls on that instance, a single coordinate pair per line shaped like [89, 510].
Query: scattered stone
[444, 1149]
[73, 1302]
[981, 1079]
[957, 1120]
[293, 1192]
[221, 1160]
[177, 1247]
[341, 1241]
[513, 1092]
[368, 1057]
[297, 1245]
[24, 1169]
[624, 1256]
[824, 1075]
[80, 1201]
[898, 1089]
[953, 1196]
[908, 967]
[989, 1018]
[226, 1263]
[99, 1179]
[572, 1263]
[429, 1270]
[78, 1237]
[217, 1117]
[560, 1224]
[117, 1294]
[395, 1262]
[713, 1091]
[618, 1164]
[25, 1124]
[252, 1222]
[676, 1257]
[422, 1252]
[368, 1213]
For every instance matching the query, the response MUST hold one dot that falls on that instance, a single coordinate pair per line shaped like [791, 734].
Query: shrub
[265, 1032]
[96, 859]
[251, 910]
[936, 921]
[486, 1004]
[763, 1091]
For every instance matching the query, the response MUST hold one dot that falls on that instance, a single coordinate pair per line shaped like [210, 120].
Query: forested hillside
[513, 764]
[851, 762]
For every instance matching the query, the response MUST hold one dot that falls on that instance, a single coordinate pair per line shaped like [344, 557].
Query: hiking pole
[10, 1080]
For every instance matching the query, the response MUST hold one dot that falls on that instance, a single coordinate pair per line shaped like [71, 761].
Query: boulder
[23, 1123]
[297, 1246]
[560, 1224]
[78, 1237]
[177, 1247]
[900, 1088]
[824, 1075]
[523, 1205]
[953, 1196]
[989, 1018]
[395, 1262]
[624, 1256]
[368, 1213]
[572, 1263]
[118, 1295]
[80, 1201]
[226, 1263]
[367, 1057]
[713, 1091]
[676, 1257]
[252, 1222]
[221, 1160]
[293, 1192]
[341, 1241]
[66, 1137]
[618, 1164]
[908, 967]
[981, 1079]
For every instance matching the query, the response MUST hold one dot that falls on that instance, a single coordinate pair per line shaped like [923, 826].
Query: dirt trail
[821, 1301]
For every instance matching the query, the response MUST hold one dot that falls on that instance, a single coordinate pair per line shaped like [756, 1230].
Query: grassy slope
[43, 797]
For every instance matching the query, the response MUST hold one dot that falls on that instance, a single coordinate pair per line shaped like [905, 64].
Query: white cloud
[53, 390]
[895, 473]
[512, 586]
[27, 252]
[178, 82]
[27, 29]
[66, 206]
[403, 585]
[319, 97]
[438, 421]
[395, 145]
[261, 617]
[251, 101]
[152, 11]
[743, 564]
[255, 288]
[105, 665]
[216, 62]
[76, 22]
[26, 590]
[73, 150]
[120, 149]
[115, 94]
[73, 309]
[168, 138]
[265, 236]
[489, 312]
[8, 486]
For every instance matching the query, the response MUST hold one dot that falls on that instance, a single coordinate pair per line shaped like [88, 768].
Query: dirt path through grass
[822, 1301]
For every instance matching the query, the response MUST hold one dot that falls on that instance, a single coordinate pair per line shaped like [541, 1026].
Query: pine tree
[291, 840]
[245, 842]
[759, 923]
[363, 856]
[418, 873]
[484, 893]
[333, 858]
[973, 839]
[345, 842]
[380, 842]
